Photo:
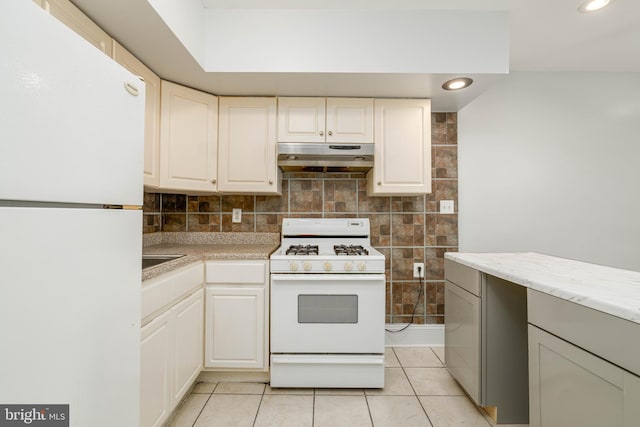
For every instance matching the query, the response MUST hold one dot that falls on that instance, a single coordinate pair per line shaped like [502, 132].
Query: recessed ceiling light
[457, 83]
[592, 5]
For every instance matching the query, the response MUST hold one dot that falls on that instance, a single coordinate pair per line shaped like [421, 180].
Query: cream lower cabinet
[247, 151]
[402, 160]
[331, 120]
[155, 371]
[76, 20]
[571, 387]
[151, 114]
[171, 346]
[188, 139]
[236, 319]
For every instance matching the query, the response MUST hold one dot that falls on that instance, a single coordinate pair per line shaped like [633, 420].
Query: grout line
[313, 408]
[203, 406]
[366, 400]
[322, 196]
[412, 388]
[255, 418]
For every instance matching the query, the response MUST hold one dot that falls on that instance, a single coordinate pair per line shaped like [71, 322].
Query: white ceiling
[549, 35]
[545, 35]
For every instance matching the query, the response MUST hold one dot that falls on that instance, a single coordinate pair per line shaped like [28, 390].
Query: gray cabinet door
[570, 387]
[462, 338]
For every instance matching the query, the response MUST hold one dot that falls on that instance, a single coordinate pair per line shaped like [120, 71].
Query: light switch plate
[237, 215]
[446, 206]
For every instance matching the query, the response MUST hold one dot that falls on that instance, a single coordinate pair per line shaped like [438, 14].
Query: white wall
[550, 162]
[357, 41]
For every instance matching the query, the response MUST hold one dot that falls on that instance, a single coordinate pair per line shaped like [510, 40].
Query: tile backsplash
[404, 229]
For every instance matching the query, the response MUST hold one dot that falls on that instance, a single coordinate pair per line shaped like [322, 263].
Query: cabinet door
[188, 139]
[235, 328]
[301, 119]
[188, 318]
[76, 20]
[151, 114]
[349, 120]
[570, 387]
[402, 161]
[462, 338]
[247, 160]
[155, 366]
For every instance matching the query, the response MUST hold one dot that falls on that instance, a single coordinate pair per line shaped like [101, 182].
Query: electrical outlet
[415, 270]
[446, 206]
[236, 215]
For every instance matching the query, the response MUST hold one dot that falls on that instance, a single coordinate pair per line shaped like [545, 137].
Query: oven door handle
[333, 360]
[324, 277]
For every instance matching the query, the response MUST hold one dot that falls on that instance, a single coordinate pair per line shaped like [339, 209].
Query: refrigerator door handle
[131, 88]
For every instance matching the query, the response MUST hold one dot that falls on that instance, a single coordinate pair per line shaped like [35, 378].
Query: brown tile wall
[404, 229]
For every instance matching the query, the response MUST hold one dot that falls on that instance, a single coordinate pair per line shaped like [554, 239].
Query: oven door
[327, 313]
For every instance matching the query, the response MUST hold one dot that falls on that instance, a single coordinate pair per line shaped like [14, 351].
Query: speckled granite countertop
[198, 247]
[610, 290]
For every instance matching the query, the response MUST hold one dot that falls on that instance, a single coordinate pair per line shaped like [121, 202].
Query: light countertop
[610, 290]
[200, 247]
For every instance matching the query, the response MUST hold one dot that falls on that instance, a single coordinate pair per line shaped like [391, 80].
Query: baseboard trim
[414, 335]
[231, 376]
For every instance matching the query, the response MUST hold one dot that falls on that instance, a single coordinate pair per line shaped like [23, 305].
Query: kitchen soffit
[566, 44]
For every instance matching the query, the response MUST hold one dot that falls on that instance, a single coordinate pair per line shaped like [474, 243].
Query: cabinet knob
[330, 133]
[213, 181]
[270, 182]
[379, 183]
[321, 133]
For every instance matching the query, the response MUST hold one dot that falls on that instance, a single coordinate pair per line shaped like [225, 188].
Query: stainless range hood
[319, 157]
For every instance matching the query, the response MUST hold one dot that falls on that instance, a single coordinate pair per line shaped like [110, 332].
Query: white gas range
[327, 305]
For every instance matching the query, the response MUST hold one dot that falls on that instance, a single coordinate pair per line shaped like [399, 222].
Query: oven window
[327, 308]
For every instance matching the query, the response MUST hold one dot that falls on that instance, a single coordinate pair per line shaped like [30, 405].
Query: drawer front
[465, 277]
[236, 272]
[163, 290]
[610, 337]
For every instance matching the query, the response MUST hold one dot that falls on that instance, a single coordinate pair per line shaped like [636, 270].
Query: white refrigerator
[71, 154]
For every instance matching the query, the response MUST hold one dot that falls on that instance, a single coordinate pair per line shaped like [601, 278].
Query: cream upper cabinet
[332, 120]
[188, 139]
[75, 19]
[301, 119]
[349, 120]
[247, 149]
[152, 112]
[402, 159]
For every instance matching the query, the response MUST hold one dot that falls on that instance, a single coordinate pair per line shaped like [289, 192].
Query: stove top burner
[302, 250]
[350, 250]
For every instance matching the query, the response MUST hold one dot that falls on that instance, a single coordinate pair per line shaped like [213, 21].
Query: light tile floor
[418, 392]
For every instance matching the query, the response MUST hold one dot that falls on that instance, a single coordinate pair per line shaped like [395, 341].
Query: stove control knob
[348, 266]
[293, 266]
[306, 266]
[362, 266]
[327, 266]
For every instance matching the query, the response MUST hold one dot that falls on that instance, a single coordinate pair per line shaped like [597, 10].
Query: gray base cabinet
[486, 340]
[583, 365]
[573, 388]
[462, 338]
